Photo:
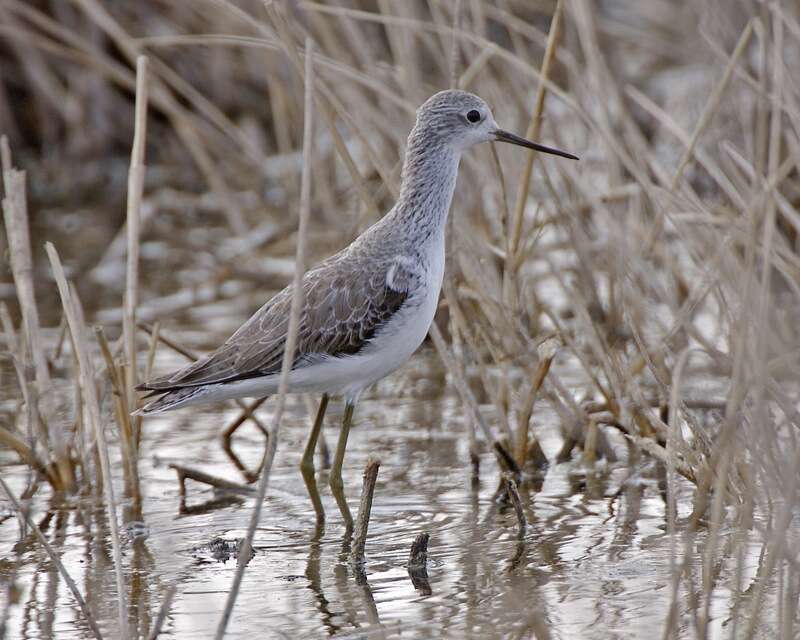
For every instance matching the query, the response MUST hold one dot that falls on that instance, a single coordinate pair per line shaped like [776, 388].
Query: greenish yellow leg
[337, 486]
[307, 463]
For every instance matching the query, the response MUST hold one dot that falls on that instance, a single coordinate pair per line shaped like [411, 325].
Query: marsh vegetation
[599, 439]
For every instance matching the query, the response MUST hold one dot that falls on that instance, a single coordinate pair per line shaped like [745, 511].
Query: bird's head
[462, 119]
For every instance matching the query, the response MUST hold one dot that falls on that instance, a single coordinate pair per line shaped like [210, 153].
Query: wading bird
[366, 308]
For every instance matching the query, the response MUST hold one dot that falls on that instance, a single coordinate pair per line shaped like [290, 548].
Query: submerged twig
[185, 473]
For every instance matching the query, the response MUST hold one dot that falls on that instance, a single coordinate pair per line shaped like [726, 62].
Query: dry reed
[664, 261]
[291, 338]
[134, 204]
[15, 214]
[89, 389]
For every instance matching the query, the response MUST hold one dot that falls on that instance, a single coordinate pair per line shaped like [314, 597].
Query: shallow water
[594, 562]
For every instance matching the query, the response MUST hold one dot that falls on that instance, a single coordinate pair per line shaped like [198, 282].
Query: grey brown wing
[263, 327]
[341, 315]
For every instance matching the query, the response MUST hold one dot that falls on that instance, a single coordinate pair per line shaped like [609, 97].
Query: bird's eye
[474, 115]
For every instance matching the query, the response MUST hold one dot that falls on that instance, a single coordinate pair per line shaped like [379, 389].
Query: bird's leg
[337, 486]
[307, 463]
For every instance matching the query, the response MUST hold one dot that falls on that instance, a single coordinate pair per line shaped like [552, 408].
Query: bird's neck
[428, 183]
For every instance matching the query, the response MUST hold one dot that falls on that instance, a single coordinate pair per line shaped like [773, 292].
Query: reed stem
[291, 338]
[88, 386]
[136, 175]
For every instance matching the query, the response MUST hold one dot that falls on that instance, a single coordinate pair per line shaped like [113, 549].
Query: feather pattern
[347, 299]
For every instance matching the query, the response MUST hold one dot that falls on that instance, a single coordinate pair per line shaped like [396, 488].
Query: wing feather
[340, 316]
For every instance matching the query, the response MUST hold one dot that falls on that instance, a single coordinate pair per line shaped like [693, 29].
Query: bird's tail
[171, 400]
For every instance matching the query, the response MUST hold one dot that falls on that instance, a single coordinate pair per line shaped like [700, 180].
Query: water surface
[594, 561]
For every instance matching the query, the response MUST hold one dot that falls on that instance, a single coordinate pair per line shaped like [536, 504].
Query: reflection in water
[249, 475]
[139, 600]
[368, 601]
[343, 588]
[420, 580]
[314, 577]
[519, 554]
[207, 506]
[594, 561]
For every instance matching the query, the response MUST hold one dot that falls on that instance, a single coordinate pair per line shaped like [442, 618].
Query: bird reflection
[314, 577]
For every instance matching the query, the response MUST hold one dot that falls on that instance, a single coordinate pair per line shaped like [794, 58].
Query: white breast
[402, 335]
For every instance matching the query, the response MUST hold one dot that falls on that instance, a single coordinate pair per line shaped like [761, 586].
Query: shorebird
[366, 308]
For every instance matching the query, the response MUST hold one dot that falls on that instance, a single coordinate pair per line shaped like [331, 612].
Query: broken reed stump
[51, 433]
[418, 556]
[418, 564]
[364, 510]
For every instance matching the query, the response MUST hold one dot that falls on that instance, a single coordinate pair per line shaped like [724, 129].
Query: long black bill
[505, 136]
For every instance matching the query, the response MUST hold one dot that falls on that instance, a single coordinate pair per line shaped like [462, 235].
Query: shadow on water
[592, 560]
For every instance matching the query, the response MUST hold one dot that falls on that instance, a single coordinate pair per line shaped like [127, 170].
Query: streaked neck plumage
[428, 182]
